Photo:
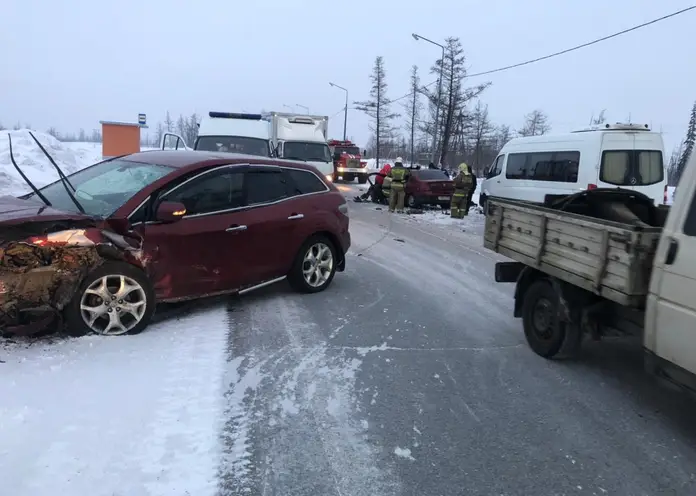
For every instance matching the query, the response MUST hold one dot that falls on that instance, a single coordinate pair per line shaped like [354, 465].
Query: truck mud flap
[508, 271]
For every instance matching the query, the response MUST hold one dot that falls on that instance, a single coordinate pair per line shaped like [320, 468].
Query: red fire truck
[347, 161]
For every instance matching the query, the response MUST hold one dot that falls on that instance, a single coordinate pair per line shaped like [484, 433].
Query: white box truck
[302, 137]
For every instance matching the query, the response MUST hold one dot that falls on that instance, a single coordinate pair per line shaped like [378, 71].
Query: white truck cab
[304, 138]
[628, 156]
[227, 132]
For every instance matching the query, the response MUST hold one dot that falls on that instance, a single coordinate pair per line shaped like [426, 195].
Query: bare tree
[413, 107]
[481, 134]
[503, 134]
[377, 107]
[599, 120]
[455, 98]
[191, 129]
[181, 125]
[159, 133]
[536, 123]
[168, 123]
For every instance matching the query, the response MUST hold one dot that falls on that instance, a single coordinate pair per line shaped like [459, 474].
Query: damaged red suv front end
[44, 256]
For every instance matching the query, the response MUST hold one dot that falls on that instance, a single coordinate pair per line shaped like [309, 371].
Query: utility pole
[345, 110]
[436, 126]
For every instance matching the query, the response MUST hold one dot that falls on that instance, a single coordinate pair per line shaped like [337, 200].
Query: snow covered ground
[130, 416]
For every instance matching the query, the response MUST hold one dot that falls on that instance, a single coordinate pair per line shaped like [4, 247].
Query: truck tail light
[591, 186]
[664, 197]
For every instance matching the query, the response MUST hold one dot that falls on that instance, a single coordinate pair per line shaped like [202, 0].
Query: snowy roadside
[129, 415]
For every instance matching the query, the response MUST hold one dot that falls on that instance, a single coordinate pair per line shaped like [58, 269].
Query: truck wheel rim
[542, 319]
[317, 265]
[113, 305]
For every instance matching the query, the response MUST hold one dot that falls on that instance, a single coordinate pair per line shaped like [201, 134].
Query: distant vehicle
[99, 248]
[347, 161]
[429, 187]
[619, 155]
[227, 132]
[302, 137]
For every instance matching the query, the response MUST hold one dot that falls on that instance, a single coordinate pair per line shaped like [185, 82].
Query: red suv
[101, 247]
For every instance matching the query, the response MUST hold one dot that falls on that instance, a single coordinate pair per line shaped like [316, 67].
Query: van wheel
[315, 265]
[542, 329]
[115, 299]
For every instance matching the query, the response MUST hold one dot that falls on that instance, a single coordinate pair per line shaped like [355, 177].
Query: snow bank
[71, 157]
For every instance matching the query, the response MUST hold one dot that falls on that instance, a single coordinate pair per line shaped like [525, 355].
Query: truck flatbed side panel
[607, 258]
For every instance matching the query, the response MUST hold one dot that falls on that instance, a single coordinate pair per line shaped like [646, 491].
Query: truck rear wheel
[544, 331]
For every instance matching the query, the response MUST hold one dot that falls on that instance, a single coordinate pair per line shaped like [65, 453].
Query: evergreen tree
[378, 108]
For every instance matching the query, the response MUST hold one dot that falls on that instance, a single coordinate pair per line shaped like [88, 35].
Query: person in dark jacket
[431, 166]
[473, 189]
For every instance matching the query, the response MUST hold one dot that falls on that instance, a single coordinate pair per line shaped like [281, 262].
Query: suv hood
[17, 211]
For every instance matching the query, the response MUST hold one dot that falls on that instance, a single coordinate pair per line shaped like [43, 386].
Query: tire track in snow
[293, 426]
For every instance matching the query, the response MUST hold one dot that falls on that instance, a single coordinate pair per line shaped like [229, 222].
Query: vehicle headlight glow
[329, 178]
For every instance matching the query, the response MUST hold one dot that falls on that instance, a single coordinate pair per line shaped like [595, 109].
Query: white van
[626, 156]
[227, 132]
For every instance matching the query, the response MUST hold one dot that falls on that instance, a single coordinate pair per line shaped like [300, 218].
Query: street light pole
[345, 113]
[439, 94]
[302, 106]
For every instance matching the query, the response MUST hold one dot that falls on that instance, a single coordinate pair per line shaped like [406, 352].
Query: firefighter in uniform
[399, 175]
[459, 206]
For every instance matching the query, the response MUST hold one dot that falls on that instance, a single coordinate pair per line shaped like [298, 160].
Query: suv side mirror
[170, 211]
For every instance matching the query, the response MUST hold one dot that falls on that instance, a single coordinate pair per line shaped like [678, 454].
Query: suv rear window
[631, 167]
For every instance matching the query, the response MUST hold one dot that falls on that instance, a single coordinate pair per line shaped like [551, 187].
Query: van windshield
[233, 144]
[632, 167]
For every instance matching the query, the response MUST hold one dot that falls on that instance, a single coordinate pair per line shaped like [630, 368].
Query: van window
[497, 167]
[631, 167]
[544, 166]
[515, 166]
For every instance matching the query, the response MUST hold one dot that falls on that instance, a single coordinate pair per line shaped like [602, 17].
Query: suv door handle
[236, 228]
[672, 252]
[296, 216]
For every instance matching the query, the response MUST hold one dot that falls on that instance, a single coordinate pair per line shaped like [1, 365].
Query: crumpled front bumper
[37, 282]
[38, 279]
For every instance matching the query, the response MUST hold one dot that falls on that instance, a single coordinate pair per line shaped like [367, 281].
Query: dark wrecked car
[96, 250]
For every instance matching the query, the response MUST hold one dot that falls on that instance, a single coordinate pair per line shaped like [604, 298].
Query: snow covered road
[408, 376]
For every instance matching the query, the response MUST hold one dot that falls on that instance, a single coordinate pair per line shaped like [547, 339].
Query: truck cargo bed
[607, 258]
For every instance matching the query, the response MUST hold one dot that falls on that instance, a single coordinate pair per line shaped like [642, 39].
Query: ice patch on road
[403, 453]
[135, 415]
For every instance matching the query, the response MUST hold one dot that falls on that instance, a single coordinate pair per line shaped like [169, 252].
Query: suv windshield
[104, 187]
[632, 167]
[350, 150]
[311, 152]
[233, 144]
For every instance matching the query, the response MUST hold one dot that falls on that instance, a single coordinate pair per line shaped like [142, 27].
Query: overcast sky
[72, 63]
